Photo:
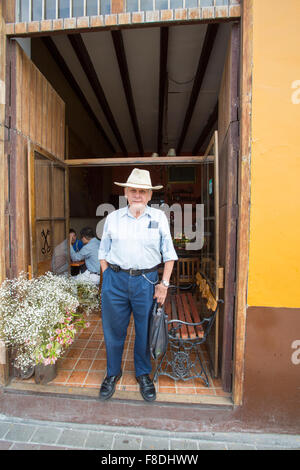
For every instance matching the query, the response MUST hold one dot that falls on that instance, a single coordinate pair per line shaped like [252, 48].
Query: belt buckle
[131, 272]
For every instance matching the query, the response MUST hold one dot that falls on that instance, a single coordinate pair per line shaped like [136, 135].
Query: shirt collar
[126, 211]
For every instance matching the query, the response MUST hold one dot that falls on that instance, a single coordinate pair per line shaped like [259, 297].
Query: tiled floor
[84, 366]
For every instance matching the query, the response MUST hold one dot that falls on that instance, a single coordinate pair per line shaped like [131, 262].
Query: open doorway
[162, 90]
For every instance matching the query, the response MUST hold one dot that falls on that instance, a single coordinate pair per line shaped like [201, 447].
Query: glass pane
[222, 2]
[50, 9]
[146, 5]
[132, 5]
[77, 8]
[161, 4]
[191, 3]
[105, 7]
[176, 3]
[91, 7]
[63, 8]
[37, 10]
[24, 10]
[207, 3]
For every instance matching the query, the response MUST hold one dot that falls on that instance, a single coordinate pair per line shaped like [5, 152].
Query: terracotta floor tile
[94, 378]
[166, 389]
[97, 337]
[165, 381]
[220, 393]
[217, 383]
[73, 353]
[83, 364]
[67, 364]
[80, 343]
[201, 384]
[100, 354]
[184, 384]
[205, 391]
[77, 377]
[93, 345]
[128, 366]
[88, 354]
[99, 364]
[186, 391]
[84, 335]
[128, 379]
[129, 356]
[61, 377]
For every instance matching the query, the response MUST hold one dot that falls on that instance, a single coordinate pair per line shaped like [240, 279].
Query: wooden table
[76, 263]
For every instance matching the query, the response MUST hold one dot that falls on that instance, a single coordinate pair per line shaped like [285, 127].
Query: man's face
[138, 198]
[73, 237]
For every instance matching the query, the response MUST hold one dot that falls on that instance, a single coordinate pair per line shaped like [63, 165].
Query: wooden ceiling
[147, 90]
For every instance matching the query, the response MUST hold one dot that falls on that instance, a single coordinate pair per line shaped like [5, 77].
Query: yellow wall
[274, 262]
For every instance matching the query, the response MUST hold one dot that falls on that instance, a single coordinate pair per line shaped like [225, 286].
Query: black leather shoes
[147, 388]
[108, 386]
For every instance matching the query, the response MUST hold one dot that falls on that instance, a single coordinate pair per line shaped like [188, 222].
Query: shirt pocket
[152, 238]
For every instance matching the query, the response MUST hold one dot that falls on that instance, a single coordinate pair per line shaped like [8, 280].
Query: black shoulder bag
[158, 331]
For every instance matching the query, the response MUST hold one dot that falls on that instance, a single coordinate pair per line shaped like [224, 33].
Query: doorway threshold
[18, 386]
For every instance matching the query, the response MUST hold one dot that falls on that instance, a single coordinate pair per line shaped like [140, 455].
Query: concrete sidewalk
[20, 434]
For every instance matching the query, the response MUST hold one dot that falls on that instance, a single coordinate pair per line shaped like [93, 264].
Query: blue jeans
[122, 294]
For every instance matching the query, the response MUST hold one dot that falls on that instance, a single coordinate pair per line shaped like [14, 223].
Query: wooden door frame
[32, 149]
[243, 220]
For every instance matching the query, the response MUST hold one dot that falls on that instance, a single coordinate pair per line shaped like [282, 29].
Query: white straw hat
[139, 179]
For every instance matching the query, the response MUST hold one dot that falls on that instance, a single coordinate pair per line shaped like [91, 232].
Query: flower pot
[15, 371]
[44, 374]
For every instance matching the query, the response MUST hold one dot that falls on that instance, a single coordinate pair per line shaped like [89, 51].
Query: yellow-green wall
[274, 260]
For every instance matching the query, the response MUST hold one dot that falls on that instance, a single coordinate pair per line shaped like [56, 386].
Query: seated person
[76, 243]
[88, 254]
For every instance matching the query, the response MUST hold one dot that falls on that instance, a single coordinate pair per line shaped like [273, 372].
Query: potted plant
[180, 240]
[39, 318]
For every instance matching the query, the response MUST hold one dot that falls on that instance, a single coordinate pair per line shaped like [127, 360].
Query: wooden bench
[183, 307]
[189, 326]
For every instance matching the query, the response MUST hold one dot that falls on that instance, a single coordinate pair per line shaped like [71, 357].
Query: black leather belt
[132, 272]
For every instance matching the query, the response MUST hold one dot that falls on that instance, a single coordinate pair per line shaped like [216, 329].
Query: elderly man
[134, 241]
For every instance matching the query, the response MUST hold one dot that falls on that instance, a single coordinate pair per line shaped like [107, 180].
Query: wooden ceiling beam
[210, 37]
[207, 130]
[123, 67]
[163, 85]
[88, 67]
[58, 58]
[141, 161]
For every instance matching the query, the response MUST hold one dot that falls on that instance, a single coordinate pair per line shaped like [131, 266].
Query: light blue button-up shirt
[88, 253]
[140, 243]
